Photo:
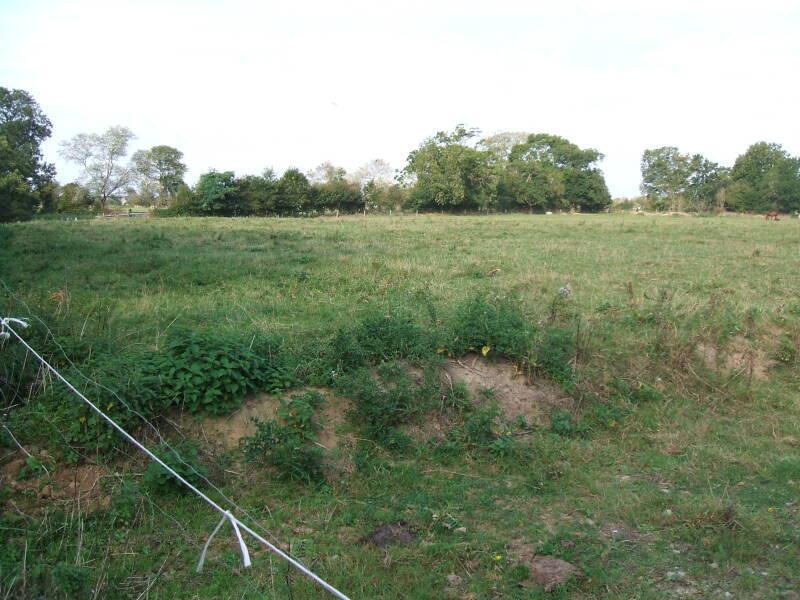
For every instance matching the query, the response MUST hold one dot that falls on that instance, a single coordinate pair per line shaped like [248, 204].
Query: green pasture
[677, 473]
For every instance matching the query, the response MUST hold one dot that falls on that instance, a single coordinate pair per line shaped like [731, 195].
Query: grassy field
[665, 463]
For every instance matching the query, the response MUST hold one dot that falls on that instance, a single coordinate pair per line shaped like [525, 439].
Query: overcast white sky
[241, 86]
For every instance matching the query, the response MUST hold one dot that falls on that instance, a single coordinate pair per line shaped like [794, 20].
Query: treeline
[764, 178]
[455, 171]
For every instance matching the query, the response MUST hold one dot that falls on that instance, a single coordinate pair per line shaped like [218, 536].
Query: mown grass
[706, 471]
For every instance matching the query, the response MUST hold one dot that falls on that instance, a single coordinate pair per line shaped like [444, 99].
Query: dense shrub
[59, 415]
[213, 373]
[380, 407]
[563, 423]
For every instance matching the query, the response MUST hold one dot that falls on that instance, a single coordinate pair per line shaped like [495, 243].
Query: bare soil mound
[73, 482]
[515, 395]
[227, 432]
[545, 570]
[390, 534]
[737, 357]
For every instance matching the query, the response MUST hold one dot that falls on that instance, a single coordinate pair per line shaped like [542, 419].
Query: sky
[244, 85]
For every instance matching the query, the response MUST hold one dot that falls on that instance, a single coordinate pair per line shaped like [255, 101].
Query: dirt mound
[227, 432]
[74, 482]
[737, 357]
[515, 395]
[545, 570]
[390, 534]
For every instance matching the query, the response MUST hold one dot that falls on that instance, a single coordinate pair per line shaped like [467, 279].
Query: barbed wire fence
[8, 332]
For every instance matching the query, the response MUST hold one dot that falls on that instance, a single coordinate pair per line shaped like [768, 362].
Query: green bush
[787, 349]
[478, 430]
[497, 323]
[212, 373]
[289, 446]
[125, 504]
[376, 338]
[184, 461]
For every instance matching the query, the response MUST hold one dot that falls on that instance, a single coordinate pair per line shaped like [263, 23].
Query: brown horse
[772, 215]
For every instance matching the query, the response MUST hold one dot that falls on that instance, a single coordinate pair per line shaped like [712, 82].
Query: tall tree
[549, 171]
[24, 176]
[377, 171]
[259, 192]
[161, 165]
[326, 173]
[500, 145]
[664, 176]
[704, 184]
[295, 193]
[102, 156]
[531, 184]
[73, 198]
[217, 194]
[447, 172]
[765, 178]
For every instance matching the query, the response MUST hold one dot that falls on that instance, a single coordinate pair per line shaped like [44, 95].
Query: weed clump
[183, 460]
[289, 445]
[381, 407]
[213, 373]
[375, 339]
[555, 353]
[563, 423]
[200, 373]
[496, 323]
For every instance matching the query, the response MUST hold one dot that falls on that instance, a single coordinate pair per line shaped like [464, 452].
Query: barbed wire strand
[7, 327]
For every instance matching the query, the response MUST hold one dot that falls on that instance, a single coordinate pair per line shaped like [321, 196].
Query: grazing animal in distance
[772, 215]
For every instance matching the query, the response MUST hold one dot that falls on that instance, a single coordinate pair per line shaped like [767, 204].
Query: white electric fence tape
[6, 331]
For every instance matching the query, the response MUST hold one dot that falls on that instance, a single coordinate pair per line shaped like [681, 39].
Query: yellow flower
[771, 509]
[485, 350]
[498, 557]
[82, 419]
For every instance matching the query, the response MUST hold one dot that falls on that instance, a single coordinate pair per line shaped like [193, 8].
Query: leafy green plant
[184, 461]
[502, 446]
[555, 352]
[71, 580]
[563, 423]
[125, 504]
[58, 415]
[33, 468]
[393, 336]
[380, 409]
[213, 373]
[479, 429]
[289, 445]
[496, 323]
